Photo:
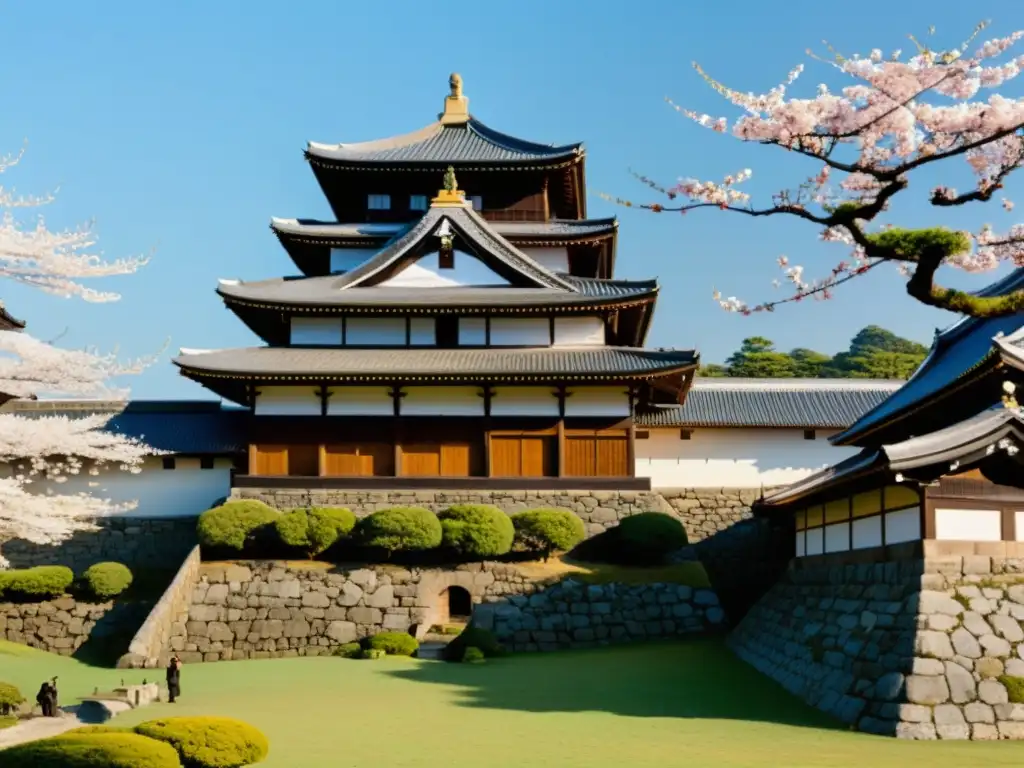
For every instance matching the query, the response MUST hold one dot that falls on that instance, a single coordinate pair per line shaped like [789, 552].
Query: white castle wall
[520, 332]
[555, 258]
[733, 457]
[427, 273]
[579, 331]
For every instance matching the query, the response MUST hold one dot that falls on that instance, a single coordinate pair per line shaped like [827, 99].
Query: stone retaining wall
[136, 542]
[59, 626]
[261, 610]
[915, 648]
[149, 648]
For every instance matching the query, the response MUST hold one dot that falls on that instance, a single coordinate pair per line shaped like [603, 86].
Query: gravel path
[39, 728]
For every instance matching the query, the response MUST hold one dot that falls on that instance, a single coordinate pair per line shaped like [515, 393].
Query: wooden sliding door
[522, 455]
[268, 460]
[359, 459]
[597, 454]
[437, 459]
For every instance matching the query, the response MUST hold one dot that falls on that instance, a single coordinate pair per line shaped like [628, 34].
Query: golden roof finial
[456, 105]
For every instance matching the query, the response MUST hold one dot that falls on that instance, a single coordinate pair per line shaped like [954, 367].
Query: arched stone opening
[458, 602]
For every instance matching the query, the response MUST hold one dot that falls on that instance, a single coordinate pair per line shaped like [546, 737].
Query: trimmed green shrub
[394, 643]
[647, 538]
[235, 525]
[8, 721]
[39, 583]
[1014, 688]
[473, 637]
[106, 580]
[85, 729]
[400, 529]
[348, 651]
[473, 655]
[209, 742]
[314, 530]
[92, 750]
[548, 530]
[10, 698]
[476, 531]
[372, 653]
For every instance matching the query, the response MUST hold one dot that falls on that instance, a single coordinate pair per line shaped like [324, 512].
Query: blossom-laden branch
[873, 134]
[54, 261]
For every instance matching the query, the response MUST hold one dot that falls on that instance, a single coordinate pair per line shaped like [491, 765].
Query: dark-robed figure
[47, 698]
[173, 679]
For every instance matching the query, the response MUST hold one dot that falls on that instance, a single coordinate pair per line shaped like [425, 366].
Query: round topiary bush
[92, 750]
[209, 742]
[10, 698]
[106, 580]
[400, 529]
[372, 653]
[39, 583]
[473, 655]
[96, 729]
[394, 643]
[548, 530]
[476, 531]
[473, 637]
[646, 539]
[348, 651]
[235, 525]
[314, 530]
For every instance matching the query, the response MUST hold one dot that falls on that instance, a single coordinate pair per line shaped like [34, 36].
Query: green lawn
[682, 704]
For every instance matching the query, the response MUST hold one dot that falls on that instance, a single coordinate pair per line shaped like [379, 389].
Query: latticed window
[417, 202]
[378, 202]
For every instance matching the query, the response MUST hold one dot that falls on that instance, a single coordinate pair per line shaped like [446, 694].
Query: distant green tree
[874, 353]
[758, 359]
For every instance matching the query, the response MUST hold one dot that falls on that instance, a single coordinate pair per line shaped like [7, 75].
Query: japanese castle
[458, 325]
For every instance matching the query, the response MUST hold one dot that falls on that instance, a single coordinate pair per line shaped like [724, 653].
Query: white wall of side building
[183, 491]
[733, 457]
[302, 400]
[375, 331]
[579, 331]
[520, 332]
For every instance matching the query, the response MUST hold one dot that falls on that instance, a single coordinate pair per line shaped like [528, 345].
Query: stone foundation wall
[136, 542]
[62, 625]
[914, 648]
[262, 610]
[149, 648]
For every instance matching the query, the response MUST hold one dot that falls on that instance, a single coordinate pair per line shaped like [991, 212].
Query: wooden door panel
[506, 456]
[304, 460]
[580, 456]
[455, 460]
[612, 456]
[271, 459]
[536, 452]
[341, 460]
[421, 460]
[378, 459]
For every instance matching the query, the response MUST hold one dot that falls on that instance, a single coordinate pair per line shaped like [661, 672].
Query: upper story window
[417, 202]
[477, 202]
[378, 202]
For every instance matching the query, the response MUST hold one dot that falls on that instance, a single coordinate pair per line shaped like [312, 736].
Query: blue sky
[179, 128]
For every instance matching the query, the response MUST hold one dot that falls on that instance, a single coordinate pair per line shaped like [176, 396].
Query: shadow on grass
[685, 679]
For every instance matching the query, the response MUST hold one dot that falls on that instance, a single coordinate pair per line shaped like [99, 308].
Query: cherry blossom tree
[42, 453]
[869, 140]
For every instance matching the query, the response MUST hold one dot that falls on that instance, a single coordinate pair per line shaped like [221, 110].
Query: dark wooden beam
[448, 483]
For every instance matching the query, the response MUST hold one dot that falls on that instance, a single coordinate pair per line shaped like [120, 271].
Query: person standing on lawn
[173, 679]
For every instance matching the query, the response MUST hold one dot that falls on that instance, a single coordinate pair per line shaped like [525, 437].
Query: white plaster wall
[579, 331]
[837, 537]
[733, 458]
[442, 401]
[903, 525]
[472, 331]
[867, 532]
[183, 491]
[345, 259]
[375, 331]
[598, 401]
[524, 401]
[520, 332]
[815, 542]
[287, 401]
[968, 524]
[360, 401]
[1019, 519]
[554, 258]
[422, 331]
[426, 273]
[322, 331]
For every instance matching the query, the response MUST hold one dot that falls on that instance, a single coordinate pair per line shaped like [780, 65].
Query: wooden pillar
[321, 464]
[252, 458]
[631, 436]
[323, 393]
[396, 395]
[561, 395]
[487, 393]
